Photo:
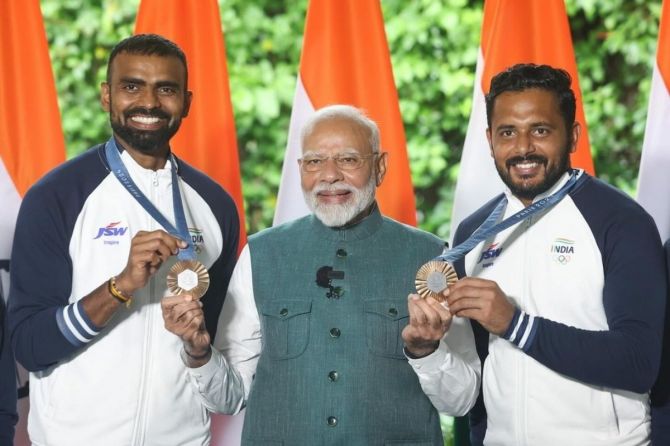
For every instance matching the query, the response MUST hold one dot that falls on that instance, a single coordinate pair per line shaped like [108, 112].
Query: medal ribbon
[121, 173]
[489, 227]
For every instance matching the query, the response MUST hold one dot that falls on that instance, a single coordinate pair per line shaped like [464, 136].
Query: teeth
[527, 165]
[145, 119]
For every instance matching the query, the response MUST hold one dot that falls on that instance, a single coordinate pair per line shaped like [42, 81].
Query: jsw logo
[490, 253]
[111, 231]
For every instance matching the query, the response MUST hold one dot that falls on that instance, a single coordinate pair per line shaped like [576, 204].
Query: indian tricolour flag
[31, 138]
[653, 181]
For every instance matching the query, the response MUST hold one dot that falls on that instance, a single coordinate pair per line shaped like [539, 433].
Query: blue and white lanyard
[121, 173]
[489, 227]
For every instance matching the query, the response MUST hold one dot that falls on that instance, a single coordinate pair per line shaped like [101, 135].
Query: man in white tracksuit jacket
[90, 262]
[567, 305]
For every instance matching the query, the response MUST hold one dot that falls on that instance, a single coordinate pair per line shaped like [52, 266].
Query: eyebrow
[139, 81]
[542, 124]
[132, 80]
[505, 127]
[347, 151]
[532, 125]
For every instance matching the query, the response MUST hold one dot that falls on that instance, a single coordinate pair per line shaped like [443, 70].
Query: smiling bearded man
[340, 196]
[90, 262]
[309, 338]
[568, 311]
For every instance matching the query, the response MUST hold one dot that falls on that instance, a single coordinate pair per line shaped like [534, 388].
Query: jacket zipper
[139, 435]
[522, 397]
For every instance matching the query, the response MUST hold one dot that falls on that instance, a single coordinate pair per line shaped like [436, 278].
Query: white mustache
[326, 187]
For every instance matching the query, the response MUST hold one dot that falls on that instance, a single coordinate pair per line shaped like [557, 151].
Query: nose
[525, 144]
[330, 172]
[149, 98]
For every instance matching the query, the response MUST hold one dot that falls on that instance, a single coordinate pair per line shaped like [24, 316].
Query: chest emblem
[111, 233]
[562, 250]
[197, 239]
[489, 254]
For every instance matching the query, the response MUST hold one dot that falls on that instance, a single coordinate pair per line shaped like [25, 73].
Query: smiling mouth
[526, 167]
[334, 196]
[146, 120]
[331, 193]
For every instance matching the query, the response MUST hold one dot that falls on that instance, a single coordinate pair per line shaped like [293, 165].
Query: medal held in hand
[188, 275]
[433, 278]
[437, 275]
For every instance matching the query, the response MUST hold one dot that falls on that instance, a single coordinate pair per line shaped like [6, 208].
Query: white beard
[336, 215]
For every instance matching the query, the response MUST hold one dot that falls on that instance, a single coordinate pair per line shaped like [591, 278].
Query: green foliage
[263, 41]
[447, 423]
[433, 48]
[80, 36]
[615, 46]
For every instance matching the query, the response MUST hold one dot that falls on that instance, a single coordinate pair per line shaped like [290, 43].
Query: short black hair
[522, 77]
[148, 45]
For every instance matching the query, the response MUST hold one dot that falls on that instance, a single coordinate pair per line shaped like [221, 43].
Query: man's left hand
[184, 317]
[483, 301]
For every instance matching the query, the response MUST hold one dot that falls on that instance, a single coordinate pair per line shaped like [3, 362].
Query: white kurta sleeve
[223, 383]
[451, 375]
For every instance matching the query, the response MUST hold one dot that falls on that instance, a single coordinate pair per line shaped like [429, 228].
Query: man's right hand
[148, 251]
[429, 321]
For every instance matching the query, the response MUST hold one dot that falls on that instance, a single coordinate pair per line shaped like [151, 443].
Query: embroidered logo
[197, 239]
[111, 232]
[489, 253]
[562, 250]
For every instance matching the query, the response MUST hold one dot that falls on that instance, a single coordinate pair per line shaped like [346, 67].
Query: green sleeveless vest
[332, 369]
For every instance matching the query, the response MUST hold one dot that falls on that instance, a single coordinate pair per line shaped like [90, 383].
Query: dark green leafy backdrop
[433, 47]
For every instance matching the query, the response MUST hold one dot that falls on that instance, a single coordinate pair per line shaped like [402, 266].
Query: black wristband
[412, 356]
[198, 357]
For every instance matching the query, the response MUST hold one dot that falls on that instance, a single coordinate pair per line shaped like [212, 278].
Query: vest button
[332, 421]
[335, 332]
[283, 312]
[393, 312]
[341, 253]
[333, 376]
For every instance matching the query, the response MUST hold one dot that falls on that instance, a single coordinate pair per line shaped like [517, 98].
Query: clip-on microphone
[324, 277]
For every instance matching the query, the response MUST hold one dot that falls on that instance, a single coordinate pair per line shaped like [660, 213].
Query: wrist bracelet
[411, 355]
[198, 357]
[118, 294]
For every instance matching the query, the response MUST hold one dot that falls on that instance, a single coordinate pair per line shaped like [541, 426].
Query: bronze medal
[188, 276]
[433, 278]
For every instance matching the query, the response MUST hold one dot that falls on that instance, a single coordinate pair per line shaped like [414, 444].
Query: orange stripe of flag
[207, 137]
[663, 51]
[345, 59]
[31, 137]
[532, 31]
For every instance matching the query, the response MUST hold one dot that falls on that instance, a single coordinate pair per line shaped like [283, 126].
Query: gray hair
[347, 112]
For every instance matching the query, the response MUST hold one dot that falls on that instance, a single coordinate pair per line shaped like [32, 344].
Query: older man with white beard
[309, 338]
